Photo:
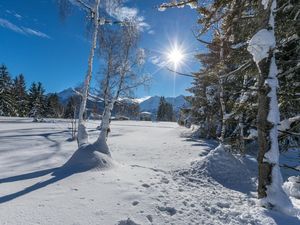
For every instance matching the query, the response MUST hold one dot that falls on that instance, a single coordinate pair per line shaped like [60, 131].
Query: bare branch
[181, 74]
[86, 6]
[179, 4]
[241, 68]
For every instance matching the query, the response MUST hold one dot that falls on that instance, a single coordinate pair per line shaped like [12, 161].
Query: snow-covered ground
[151, 181]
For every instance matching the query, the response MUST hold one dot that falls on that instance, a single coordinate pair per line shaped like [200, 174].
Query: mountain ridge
[148, 103]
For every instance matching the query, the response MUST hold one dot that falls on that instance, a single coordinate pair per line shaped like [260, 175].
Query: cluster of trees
[16, 100]
[165, 111]
[226, 91]
[127, 109]
[235, 94]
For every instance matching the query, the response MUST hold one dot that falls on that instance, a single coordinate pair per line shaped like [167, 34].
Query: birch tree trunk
[101, 143]
[82, 135]
[105, 122]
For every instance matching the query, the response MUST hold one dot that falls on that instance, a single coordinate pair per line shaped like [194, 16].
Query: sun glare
[176, 56]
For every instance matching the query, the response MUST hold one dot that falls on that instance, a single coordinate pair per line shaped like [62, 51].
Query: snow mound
[292, 186]
[127, 222]
[231, 171]
[87, 158]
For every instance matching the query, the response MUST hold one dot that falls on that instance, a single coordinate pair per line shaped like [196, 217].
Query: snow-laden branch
[86, 6]
[180, 4]
[181, 74]
[241, 68]
[285, 125]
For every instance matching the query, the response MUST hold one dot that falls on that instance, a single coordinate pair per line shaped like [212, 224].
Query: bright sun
[176, 56]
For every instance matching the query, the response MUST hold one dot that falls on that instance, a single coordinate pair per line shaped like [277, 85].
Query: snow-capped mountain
[151, 104]
[148, 103]
[66, 94]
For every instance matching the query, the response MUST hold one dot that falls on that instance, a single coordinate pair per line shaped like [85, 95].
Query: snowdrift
[232, 171]
[85, 158]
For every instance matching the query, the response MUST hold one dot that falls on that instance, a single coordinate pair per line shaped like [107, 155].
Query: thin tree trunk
[241, 118]
[105, 122]
[242, 141]
[221, 91]
[101, 142]
[82, 136]
[223, 111]
[269, 176]
[264, 127]
[108, 107]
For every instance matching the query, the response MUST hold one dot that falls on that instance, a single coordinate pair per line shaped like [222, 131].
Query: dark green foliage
[165, 111]
[72, 108]
[54, 108]
[37, 103]
[21, 97]
[235, 22]
[7, 98]
[16, 101]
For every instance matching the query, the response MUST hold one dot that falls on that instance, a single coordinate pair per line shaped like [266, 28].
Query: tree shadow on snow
[282, 219]
[211, 144]
[85, 158]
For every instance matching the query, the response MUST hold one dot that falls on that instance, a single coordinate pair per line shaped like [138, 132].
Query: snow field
[151, 180]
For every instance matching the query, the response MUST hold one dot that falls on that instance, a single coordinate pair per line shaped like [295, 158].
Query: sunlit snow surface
[150, 180]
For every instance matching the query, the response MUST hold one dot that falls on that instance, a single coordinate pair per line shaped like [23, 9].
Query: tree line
[17, 100]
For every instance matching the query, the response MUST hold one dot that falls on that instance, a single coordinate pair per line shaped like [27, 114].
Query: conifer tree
[7, 100]
[19, 90]
[237, 22]
[36, 101]
[71, 109]
[165, 111]
[54, 109]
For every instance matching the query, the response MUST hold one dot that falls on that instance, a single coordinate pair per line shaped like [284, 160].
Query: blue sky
[34, 41]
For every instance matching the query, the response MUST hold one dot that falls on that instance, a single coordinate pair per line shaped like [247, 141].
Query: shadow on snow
[84, 159]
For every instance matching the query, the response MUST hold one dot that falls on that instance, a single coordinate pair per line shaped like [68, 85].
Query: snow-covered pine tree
[7, 98]
[287, 60]
[217, 19]
[262, 47]
[37, 102]
[161, 109]
[165, 110]
[21, 97]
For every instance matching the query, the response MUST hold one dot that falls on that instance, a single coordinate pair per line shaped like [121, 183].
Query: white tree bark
[101, 143]
[82, 136]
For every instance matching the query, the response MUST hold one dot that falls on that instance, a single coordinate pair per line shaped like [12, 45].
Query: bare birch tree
[121, 74]
[92, 7]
